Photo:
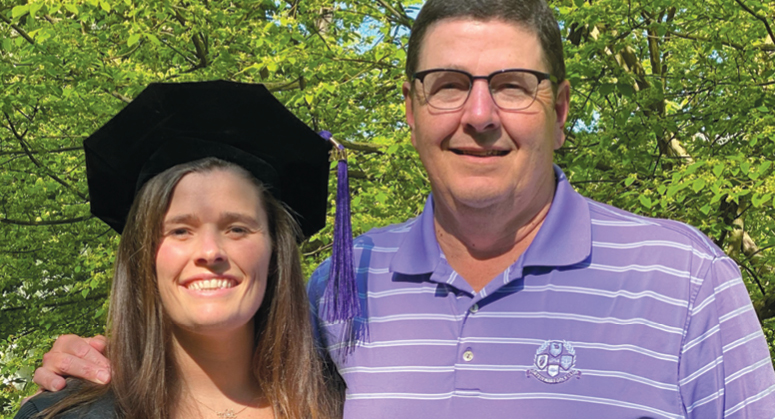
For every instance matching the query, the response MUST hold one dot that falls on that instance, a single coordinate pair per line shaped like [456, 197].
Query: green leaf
[34, 7]
[625, 89]
[105, 6]
[133, 39]
[718, 169]
[154, 40]
[645, 201]
[698, 185]
[20, 10]
[606, 89]
[99, 313]
[693, 168]
[674, 189]
[72, 8]
[579, 3]
[705, 209]
[629, 181]
[758, 201]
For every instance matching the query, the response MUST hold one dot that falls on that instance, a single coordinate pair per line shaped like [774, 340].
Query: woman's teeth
[211, 284]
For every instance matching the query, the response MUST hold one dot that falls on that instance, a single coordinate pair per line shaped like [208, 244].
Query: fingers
[47, 380]
[87, 349]
[73, 356]
[98, 342]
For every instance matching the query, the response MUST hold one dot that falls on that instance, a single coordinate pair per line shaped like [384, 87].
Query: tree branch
[762, 18]
[754, 276]
[19, 252]
[119, 96]
[65, 303]
[35, 161]
[402, 18]
[186, 57]
[45, 223]
[18, 30]
[365, 147]
[284, 86]
[740, 47]
[59, 150]
[199, 44]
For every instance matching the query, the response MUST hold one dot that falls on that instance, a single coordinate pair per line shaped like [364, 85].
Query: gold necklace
[225, 414]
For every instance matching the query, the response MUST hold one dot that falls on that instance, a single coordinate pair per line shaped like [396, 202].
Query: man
[512, 295]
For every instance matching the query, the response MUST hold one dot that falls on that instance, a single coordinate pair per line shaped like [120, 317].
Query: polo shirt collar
[419, 253]
[565, 238]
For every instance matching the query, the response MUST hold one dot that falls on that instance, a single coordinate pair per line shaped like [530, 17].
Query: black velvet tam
[173, 123]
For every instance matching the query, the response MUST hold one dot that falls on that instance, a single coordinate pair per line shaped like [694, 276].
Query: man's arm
[725, 368]
[73, 356]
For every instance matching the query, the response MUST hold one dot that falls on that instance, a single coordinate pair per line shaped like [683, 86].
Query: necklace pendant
[227, 414]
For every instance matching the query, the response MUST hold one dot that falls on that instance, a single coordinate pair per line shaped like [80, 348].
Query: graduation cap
[174, 123]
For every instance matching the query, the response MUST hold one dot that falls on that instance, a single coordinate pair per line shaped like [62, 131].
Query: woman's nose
[210, 249]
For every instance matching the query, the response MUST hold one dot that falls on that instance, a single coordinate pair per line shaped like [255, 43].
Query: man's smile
[479, 153]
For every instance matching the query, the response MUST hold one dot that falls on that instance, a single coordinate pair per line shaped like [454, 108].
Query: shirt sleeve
[315, 289]
[40, 403]
[28, 410]
[725, 370]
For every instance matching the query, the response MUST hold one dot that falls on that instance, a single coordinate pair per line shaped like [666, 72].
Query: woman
[208, 313]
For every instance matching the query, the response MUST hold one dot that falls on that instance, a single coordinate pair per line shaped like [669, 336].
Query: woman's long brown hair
[144, 379]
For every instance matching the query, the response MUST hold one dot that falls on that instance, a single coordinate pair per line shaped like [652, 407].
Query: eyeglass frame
[541, 76]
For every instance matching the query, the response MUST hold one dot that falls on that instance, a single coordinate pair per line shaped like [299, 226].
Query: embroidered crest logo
[554, 362]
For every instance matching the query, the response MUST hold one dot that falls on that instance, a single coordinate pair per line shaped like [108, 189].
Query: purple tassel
[341, 302]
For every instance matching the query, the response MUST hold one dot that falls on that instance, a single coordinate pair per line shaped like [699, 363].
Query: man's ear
[561, 107]
[409, 107]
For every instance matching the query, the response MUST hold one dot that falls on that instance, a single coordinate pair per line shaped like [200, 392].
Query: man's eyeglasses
[511, 89]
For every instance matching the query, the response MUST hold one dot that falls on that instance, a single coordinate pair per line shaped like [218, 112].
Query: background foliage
[673, 115]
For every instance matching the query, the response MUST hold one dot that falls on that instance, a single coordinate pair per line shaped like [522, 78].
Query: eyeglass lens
[512, 90]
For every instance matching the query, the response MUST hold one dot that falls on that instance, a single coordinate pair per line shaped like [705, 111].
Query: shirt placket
[472, 360]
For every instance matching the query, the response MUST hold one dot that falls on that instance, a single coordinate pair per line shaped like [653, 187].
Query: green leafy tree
[672, 116]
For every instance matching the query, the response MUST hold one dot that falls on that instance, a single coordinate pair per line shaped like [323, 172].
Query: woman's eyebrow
[182, 219]
[229, 217]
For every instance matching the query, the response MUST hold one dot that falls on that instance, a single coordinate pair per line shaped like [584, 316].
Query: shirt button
[474, 308]
[468, 355]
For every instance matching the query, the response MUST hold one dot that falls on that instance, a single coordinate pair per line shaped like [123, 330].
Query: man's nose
[480, 112]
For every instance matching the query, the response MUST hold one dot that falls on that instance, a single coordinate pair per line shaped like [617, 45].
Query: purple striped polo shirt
[606, 315]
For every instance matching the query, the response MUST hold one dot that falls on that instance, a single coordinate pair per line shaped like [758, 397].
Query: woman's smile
[213, 260]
